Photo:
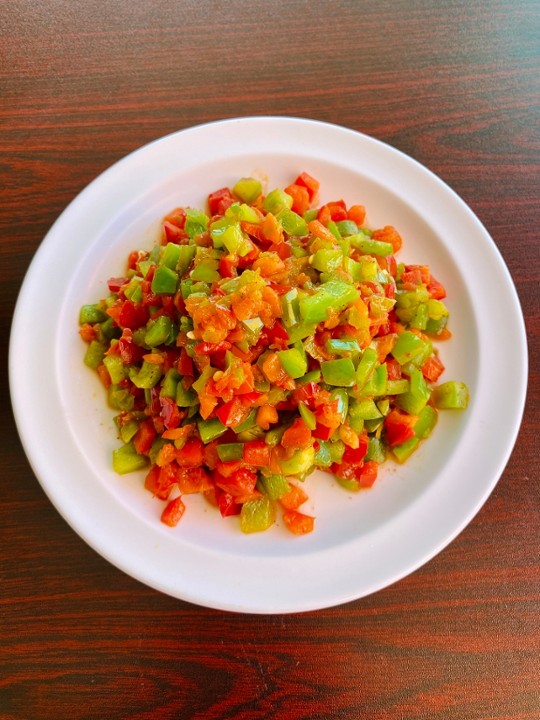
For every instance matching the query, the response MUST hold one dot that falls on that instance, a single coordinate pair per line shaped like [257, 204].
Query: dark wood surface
[454, 84]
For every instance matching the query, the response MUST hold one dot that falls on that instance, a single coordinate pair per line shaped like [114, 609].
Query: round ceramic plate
[362, 542]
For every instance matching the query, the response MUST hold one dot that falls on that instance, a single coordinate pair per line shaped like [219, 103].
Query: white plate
[362, 542]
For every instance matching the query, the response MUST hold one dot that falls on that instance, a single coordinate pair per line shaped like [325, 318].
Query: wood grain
[456, 85]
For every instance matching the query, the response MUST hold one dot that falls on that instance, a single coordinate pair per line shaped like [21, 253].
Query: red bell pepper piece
[256, 453]
[232, 413]
[173, 512]
[300, 196]
[172, 233]
[191, 454]
[227, 266]
[241, 483]
[355, 456]
[399, 427]
[227, 505]
[220, 200]
[185, 364]
[297, 436]
[309, 183]
[298, 523]
[144, 437]
[115, 283]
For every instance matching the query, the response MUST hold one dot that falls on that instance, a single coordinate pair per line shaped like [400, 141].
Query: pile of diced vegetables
[262, 340]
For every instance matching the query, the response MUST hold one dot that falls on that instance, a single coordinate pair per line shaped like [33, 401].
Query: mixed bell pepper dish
[262, 339]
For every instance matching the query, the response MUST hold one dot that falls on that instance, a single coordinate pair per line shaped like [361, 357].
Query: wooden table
[456, 85]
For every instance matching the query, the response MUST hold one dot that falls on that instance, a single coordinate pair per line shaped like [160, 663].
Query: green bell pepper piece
[293, 362]
[257, 515]
[300, 332]
[292, 223]
[415, 399]
[230, 451]
[427, 419]
[120, 398]
[185, 398]
[311, 376]
[397, 387]
[170, 255]
[342, 398]
[326, 260]
[196, 222]
[290, 308]
[370, 247]
[247, 189]
[94, 354]
[235, 240]
[375, 450]
[377, 384]
[347, 227]
[339, 372]
[116, 368]
[206, 271]
[91, 314]
[186, 253]
[165, 281]
[307, 416]
[203, 378]
[301, 462]
[367, 364]
[334, 294]
[276, 200]
[126, 459]
[210, 429]
[169, 384]
[364, 409]
[407, 347]
[148, 376]
[159, 331]
[275, 486]
[451, 395]
[342, 346]
[405, 450]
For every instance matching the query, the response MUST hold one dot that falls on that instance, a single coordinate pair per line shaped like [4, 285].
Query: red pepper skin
[144, 437]
[298, 523]
[309, 183]
[177, 218]
[256, 453]
[276, 334]
[172, 233]
[399, 427]
[173, 512]
[300, 196]
[129, 315]
[185, 364]
[364, 474]
[240, 483]
[307, 394]
[368, 474]
[227, 505]
[220, 200]
[191, 454]
[227, 266]
[297, 436]
[232, 413]
[115, 283]
[322, 432]
[355, 456]
[207, 348]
